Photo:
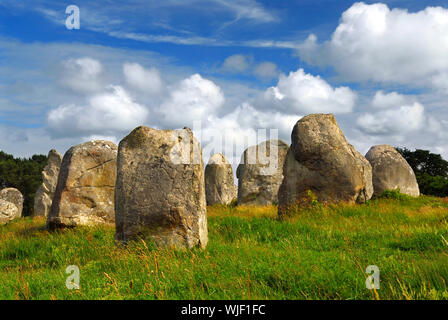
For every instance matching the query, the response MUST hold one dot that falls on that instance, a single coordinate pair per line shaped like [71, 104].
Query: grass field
[321, 253]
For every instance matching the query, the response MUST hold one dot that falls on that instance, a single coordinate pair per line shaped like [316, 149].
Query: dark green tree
[24, 174]
[430, 169]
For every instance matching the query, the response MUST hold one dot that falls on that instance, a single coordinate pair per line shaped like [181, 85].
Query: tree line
[430, 169]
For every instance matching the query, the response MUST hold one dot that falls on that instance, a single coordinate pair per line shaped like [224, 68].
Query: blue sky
[235, 66]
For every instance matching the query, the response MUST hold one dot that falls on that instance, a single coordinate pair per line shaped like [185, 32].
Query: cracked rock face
[322, 161]
[391, 171]
[160, 193]
[219, 184]
[8, 212]
[260, 173]
[44, 195]
[14, 196]
[85, 189]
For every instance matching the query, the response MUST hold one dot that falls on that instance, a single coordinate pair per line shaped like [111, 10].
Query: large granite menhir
[13, 196]
[260, 173]
[8, 212]
[219, 185]
[320, 160]
[44, 195]
[391, 171]
[85, 190]
[160, 193]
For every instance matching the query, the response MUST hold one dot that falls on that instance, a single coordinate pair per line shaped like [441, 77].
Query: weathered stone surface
[260, 173]
[8, 212]
[219, 183]
[391, 171]
[321, 160]
[85, 190]
[44, 195]
[14, 196]
[160, 193]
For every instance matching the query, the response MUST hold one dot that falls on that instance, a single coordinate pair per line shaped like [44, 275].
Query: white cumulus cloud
[383, 100]
[110, 111]
[373, 42]
[82, 75]
[194, 99]
[399, 121]
[246, 65]
[146, 80]
[266, 70]
[236, 63]
[304, 93]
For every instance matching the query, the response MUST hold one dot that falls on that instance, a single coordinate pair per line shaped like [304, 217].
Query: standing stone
[160, 193]
[14, 196]
[44, 195]
[260, 173]
[85, 190]
[219, 185]
[321, 161]
[391, 171]
[8, 212]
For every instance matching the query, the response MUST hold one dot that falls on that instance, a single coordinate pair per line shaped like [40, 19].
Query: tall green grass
[320, 253]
